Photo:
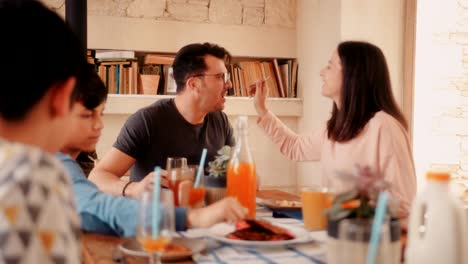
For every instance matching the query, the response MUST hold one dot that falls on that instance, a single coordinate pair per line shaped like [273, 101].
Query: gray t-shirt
[159, 131]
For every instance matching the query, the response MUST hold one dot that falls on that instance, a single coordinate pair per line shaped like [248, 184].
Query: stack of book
[118, 70]
[280, 76]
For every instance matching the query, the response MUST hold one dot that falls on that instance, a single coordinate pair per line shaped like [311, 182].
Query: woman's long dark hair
[366, 90]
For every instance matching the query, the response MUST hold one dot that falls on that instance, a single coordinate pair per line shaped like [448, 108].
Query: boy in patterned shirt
[41, 60]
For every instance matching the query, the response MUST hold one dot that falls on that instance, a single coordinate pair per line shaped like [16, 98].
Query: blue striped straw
[376, 227]
[156, 194]
[200, 168]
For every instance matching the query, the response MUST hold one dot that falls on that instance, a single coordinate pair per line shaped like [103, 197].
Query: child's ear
[60, 97]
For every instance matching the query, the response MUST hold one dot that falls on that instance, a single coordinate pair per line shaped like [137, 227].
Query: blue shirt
[104, 213]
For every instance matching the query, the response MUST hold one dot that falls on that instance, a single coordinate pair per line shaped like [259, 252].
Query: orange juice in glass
[315, 200]
[152, 246]
[180, 177]
[242, 184]
[196, 197]
[188, 194]
[155, 226]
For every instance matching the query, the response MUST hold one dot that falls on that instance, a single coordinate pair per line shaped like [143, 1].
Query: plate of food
[179, 248]
[258, 233]
[281, 205]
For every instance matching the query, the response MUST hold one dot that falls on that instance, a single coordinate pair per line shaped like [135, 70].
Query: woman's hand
[260, 93]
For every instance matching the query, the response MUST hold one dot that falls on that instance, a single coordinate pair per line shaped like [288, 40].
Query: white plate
[219, 232]
[133, 248]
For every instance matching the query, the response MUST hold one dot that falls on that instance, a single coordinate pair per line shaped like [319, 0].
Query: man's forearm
[107, 182]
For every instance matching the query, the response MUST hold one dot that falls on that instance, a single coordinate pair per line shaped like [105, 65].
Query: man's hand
[228, 209]
[135, 189]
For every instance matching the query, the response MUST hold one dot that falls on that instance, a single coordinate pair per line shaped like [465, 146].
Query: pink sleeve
[292, 145]
[396, 164]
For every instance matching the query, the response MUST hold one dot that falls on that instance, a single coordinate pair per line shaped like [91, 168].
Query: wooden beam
[408, 63]
[76, 16]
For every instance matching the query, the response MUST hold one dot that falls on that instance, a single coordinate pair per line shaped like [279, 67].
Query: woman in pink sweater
[366, 127]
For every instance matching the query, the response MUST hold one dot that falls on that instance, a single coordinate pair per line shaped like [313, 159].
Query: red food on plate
[259, 230]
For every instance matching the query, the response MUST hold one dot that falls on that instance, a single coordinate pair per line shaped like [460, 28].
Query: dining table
[104, 249]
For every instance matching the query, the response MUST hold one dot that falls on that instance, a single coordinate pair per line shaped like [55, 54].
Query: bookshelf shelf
[129, 104]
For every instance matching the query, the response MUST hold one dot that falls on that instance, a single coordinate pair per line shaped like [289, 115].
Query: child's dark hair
[39, 52]
[92, 91]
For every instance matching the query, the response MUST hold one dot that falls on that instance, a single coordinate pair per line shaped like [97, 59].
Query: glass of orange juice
[189, 195]
[179, 176]
[155, 227]
[315, 200]
[197, 193]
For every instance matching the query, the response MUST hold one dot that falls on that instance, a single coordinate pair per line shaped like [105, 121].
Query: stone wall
[441, 90]
[268, 13]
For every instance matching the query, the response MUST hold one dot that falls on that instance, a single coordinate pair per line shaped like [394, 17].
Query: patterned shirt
[38, 221]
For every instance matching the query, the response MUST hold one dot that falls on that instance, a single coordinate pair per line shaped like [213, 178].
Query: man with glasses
[178, 127]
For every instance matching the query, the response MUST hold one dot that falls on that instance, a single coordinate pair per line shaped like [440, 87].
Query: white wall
[318, 32]
[106, 32]
[380, 22]
[440, 92]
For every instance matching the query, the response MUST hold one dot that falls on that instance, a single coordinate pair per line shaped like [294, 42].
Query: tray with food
[281, 205]
[259, 233]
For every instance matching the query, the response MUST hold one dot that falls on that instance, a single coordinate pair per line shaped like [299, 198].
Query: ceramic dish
[133, 248]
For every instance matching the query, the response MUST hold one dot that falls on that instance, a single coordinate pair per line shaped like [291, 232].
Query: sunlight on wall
[440, 120]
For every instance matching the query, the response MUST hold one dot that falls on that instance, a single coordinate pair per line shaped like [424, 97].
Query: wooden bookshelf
[148, 73]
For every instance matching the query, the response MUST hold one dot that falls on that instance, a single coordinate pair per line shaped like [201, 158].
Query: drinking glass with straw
[197, 192]
[377, 227]
[155, 219]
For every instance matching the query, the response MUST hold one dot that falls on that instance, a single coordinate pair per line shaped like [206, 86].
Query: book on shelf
[294, 78]
[279, 78]
[114, 54]
[170, 86]
[271, 82]
[158, 59]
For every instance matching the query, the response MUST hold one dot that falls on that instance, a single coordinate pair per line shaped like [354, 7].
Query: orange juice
[196, 196]
[242, 184]
[314, 203]
[174, 186]
[154, 245]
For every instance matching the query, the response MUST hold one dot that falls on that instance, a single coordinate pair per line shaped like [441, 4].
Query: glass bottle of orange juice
[241, 176]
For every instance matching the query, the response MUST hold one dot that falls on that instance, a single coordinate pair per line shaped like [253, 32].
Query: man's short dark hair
[190, 61]
[38, 51]
[91, 90]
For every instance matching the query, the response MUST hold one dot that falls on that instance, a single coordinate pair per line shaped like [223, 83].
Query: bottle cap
[438, 175]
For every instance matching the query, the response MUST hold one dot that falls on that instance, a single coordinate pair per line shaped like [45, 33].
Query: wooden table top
[98, 249]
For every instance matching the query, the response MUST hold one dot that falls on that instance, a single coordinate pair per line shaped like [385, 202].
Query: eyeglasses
[225, 76]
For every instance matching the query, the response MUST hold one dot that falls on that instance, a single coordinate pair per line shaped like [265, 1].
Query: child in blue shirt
[109, 214]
